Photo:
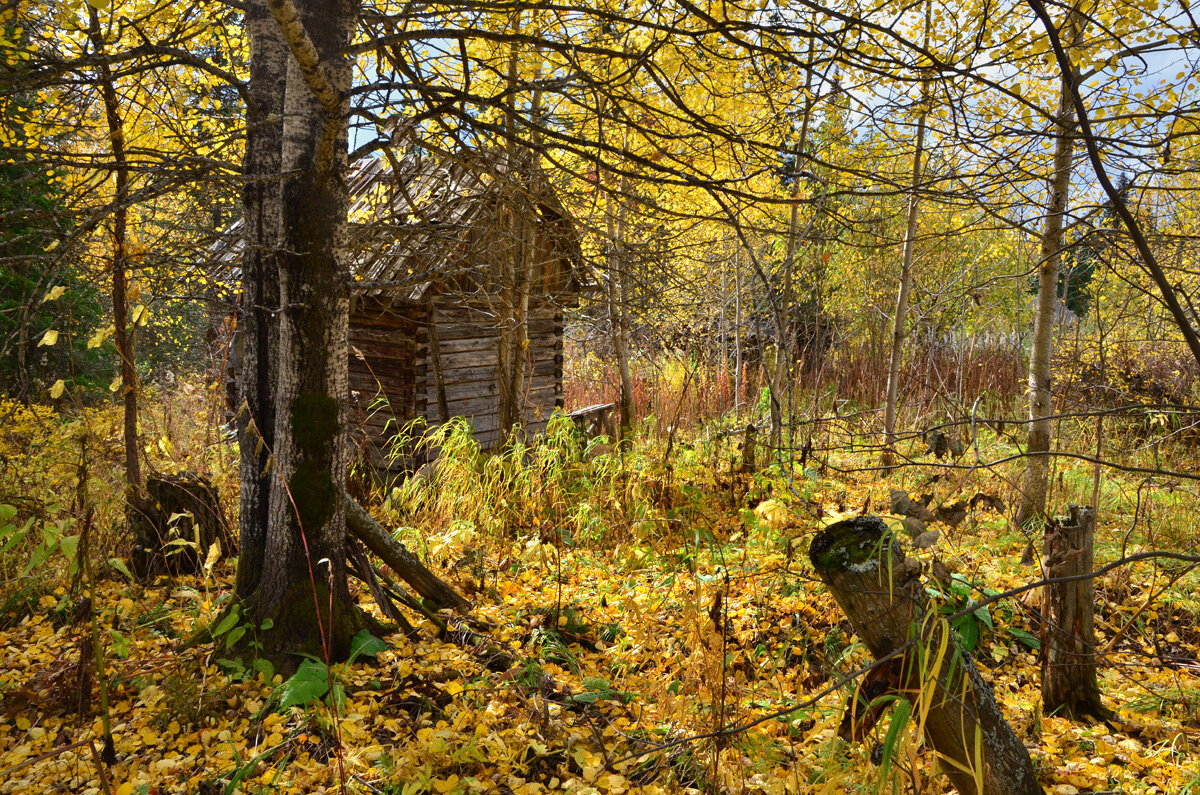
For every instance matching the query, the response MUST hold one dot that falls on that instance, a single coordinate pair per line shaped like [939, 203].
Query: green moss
[314, 428]
[847, 543]
[295, 628]
[314, 423]
[314, 493]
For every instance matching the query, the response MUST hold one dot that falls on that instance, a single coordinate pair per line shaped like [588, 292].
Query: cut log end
[851, 544]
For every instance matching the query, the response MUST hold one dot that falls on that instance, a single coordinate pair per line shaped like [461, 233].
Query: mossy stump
[881, 593]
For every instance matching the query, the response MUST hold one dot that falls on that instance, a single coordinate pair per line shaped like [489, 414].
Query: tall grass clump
[558, 486]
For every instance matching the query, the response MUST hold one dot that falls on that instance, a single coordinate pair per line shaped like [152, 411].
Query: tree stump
[175, 525]
[880, 591]
[1069, 685]
[750, 449]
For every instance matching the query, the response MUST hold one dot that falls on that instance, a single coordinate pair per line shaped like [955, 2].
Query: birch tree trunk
[780, 380]
[1037, 467]
[1069, 684]
[618, 302]
[881, 592]
[517, 259]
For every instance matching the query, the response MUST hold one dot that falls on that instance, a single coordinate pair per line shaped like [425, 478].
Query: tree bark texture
[176, 524]
[1069, 685]
[618, 303]
[302, 585]
[1034, 485]
[880, 591]
[516, 260]
[258, 327]
[516, 284]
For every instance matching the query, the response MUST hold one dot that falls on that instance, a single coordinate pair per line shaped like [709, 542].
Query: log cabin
[462, 269]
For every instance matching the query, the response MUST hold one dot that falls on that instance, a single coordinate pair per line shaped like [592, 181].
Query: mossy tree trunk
[880, 591]
[301, 584]
[1069, 685]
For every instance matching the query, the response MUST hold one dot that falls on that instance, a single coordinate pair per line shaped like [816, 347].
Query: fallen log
[880, 591]
[436, 591]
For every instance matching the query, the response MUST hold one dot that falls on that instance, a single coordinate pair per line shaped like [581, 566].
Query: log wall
[384, 340]
[461, 379]
[437, 359]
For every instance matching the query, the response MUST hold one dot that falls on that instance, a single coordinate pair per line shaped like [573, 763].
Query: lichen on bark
[856, 542]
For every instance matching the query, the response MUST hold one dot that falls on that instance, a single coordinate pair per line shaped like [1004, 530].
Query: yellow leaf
[140, 315]
[115, 385]
[447, 784]
[55, 293]
[214, 554]
[98, 338]
[49, 338]
[57, 390]
[53, 245]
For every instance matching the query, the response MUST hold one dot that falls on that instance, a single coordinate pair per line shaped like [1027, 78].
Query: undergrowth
[644, 594]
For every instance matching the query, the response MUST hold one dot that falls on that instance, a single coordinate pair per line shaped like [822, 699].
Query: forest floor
[621, 649]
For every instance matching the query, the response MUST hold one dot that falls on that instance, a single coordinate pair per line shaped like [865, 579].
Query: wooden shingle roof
[420, 220]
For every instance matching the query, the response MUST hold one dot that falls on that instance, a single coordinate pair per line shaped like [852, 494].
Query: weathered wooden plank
[398, 356]
[463, 327]
[452, 347]
[436, 366]
[468, 359]
[376, 379]
[483, 385]
[467, 406]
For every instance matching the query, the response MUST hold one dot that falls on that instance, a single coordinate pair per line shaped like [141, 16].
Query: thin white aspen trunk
[783, 351]
[510, 258]
[900, 317]
[1034, 485]
[722, 348]
[517, 279]
[618, 302]
[738, 386]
